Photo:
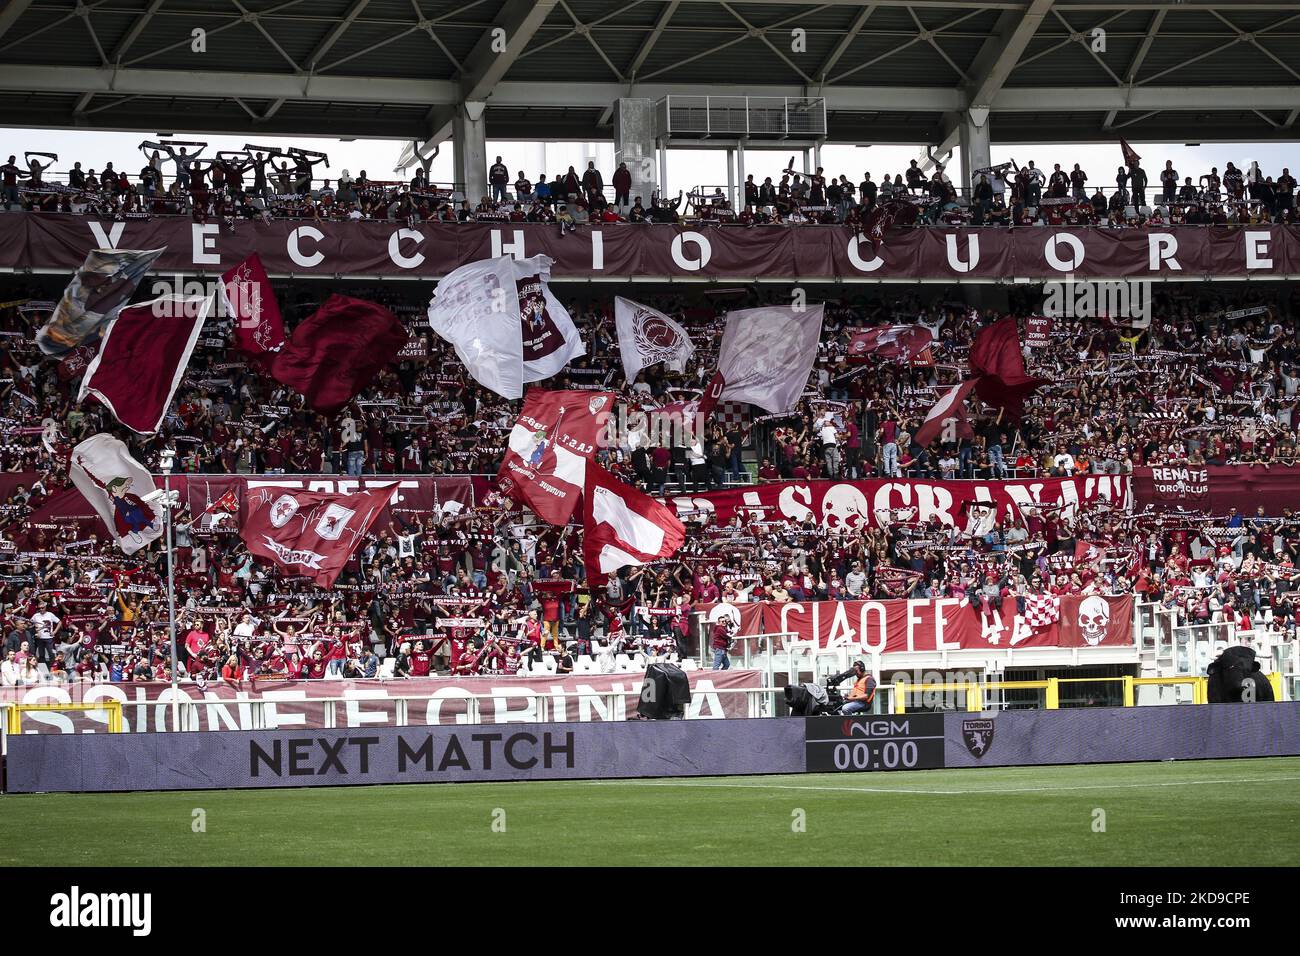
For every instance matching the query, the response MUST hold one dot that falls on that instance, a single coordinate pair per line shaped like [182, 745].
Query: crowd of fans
[275, 184]
[1212, 380]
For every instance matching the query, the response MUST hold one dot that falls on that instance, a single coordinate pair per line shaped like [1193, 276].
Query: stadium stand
[1213, 382]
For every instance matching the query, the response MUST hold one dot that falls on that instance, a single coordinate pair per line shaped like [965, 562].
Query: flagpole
[166, 465]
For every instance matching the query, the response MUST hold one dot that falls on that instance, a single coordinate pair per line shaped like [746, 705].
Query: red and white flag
[259, 327]
[311, 533]
[622, 526]
[767, 354]
[226, 504]
[951, 406]
[647, 337]
[556, 435]
[1088, 553]
[1041, 610]
[142, 358]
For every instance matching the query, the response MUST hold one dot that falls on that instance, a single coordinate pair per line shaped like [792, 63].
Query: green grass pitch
[1154, 814]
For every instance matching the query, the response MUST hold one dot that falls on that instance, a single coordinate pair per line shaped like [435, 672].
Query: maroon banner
[60, 241]
[1218, 488]
[879, 502]
[1038, 331]
[373, 703]
[1175, 487]
[908, 626]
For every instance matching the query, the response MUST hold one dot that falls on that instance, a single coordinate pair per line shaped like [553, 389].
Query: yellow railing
[14, 715]
[1051, 687]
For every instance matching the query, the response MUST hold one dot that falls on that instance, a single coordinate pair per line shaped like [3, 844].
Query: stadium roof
[890, 71]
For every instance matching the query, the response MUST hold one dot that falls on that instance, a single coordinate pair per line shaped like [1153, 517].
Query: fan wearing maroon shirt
[463, 657]
[705, 591]
[421, 660]
[313, 668]
[550, 620]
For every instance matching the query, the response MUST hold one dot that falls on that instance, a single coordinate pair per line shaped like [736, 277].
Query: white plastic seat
[547, 665]
[584, 664]
[387, 667]
[690, 664]
[623, 663]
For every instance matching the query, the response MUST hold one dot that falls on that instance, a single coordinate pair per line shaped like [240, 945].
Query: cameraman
[863, 692]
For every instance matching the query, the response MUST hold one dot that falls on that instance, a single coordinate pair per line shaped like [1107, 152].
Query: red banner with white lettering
[908, 626]
[881, 502]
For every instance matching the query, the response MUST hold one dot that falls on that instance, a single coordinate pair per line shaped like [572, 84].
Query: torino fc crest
[977, 734]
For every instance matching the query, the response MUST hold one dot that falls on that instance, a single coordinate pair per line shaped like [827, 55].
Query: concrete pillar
[469, 144]
[635, 144]
[740, 177]
[731, 177]
[975, 147]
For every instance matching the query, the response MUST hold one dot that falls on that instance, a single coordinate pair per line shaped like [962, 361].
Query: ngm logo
[75, 909]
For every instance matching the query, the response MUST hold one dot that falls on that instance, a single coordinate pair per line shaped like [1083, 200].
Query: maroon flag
[887, 214]
[556, 435]
[311, 533]
[75, 362]
[1087, 553]
[622, 526]
[1130, 158]
[950, 406]
[996, 360]
[891, 343]
[142, 358]
[249, 300]
[335, 353]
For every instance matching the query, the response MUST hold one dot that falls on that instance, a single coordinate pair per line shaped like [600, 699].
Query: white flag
[767, 354]
[116, 485]
[475, 309]
[550, 339]
[647, 337]
[505, 323]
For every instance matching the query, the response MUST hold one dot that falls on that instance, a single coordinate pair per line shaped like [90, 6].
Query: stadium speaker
[1235, 677]
[665, 692]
